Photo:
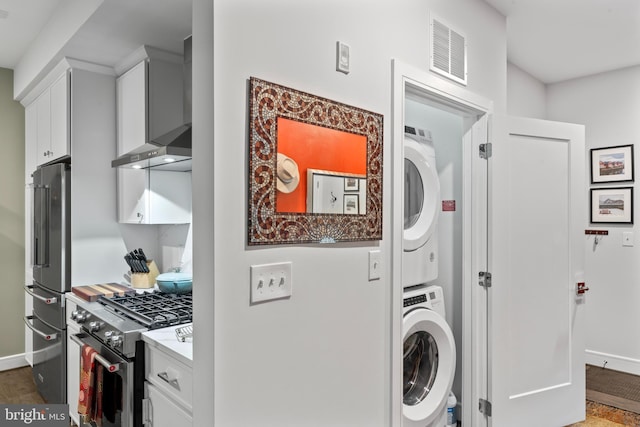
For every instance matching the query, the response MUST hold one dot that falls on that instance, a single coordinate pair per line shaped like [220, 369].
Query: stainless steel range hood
[171, 151]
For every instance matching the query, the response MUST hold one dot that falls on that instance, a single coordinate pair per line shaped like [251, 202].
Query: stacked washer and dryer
[428, 343]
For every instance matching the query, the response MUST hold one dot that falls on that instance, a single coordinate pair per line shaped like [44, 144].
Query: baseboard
[618, 363]
[12, 362]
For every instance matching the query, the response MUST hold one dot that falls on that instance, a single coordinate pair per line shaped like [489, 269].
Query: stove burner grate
[153, 309]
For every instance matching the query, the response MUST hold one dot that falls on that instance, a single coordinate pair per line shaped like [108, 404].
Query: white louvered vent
[448, 51]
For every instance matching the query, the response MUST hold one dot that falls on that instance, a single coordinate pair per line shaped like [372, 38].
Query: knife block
[145, 280]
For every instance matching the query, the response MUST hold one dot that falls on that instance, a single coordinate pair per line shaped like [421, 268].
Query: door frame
[414, 83]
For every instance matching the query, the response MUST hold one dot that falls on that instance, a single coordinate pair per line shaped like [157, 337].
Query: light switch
[374, 265]
[271, 281]
[627, 238]
[342, 57]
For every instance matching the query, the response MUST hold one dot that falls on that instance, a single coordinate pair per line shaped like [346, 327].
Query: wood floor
[17, 386]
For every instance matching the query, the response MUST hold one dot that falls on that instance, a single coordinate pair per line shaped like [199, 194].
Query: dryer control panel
[430, 297]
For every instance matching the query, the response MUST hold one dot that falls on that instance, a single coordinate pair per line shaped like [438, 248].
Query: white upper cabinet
[131, 95]
[154, 196]
[149, 98]
[49, 121]
[60, 144]
[149, 104]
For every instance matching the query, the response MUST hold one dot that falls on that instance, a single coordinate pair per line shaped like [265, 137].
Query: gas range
[119, 321]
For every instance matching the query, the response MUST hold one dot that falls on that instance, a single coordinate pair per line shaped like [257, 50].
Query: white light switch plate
[271, 281]
[627, 238]
[342, 57]
[375, 265]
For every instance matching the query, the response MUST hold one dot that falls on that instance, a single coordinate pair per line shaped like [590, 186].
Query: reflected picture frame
[351, 184]
[268, 103]
[611, 205]
[612, 164]
[350, 204]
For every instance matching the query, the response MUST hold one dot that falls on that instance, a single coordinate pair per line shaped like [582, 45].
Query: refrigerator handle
[41, 226]
[45, 300]
[47, 337]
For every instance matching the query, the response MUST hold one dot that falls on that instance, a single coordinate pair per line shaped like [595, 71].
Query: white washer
[429, 358]
[421, 208]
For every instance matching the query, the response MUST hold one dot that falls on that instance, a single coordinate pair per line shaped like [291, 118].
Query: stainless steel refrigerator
[51, 259]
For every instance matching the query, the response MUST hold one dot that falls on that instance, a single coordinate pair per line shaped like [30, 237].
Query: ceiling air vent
[448, 51]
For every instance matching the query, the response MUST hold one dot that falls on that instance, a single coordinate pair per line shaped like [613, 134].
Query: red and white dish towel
[91, 385]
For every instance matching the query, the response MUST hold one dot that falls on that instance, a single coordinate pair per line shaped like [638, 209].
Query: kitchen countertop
[165, 340]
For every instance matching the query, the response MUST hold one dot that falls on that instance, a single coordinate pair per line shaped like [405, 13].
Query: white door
[536, 217]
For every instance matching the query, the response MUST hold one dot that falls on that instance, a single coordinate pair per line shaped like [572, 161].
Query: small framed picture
[351, 184]
[351, 205]
[612, 164]
[612, 205]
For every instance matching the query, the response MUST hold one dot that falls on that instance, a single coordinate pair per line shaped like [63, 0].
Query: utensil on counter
[137, 261]
[184, 332]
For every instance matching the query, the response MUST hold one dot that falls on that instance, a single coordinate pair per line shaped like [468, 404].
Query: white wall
[526, 96]
[12, 224]
[322, 357]
[609, 105]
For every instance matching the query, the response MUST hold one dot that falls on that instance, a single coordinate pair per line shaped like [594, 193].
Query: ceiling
[557, 40]
[20, 23]
[117, 28]
[553, 40]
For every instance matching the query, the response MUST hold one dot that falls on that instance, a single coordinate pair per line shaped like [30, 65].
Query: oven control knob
[94, 326]
[81, 316]
[116, 341]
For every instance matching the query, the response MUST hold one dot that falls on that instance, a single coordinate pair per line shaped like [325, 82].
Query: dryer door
[429, 366]
[421, 195]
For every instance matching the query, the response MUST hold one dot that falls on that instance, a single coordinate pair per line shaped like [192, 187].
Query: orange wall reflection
[317, 147]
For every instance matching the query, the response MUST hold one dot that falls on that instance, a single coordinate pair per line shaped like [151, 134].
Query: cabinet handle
[172, 382]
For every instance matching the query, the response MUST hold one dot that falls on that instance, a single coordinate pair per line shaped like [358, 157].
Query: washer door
[421, 196]
[429, 366]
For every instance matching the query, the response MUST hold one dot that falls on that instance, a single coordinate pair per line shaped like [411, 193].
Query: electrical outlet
[271, 281]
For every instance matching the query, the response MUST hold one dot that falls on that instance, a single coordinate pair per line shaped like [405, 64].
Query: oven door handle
[111, 367]
[51, 300]
[47, 337]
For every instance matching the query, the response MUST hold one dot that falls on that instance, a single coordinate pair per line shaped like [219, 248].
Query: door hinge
[484, 407]
[486, 150]
[484, 279]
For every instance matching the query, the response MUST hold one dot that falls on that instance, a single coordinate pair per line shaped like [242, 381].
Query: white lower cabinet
[168, 390]
[73, 360]
[164, 412]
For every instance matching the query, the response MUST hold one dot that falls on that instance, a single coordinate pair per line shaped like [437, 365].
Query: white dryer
[421, 208]
[429, 360]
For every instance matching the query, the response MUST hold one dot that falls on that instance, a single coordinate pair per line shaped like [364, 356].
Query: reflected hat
[287, 173]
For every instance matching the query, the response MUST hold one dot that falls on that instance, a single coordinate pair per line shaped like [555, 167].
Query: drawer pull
[172, 381]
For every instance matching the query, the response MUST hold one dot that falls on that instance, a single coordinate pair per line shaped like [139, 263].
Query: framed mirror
[298, 140]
